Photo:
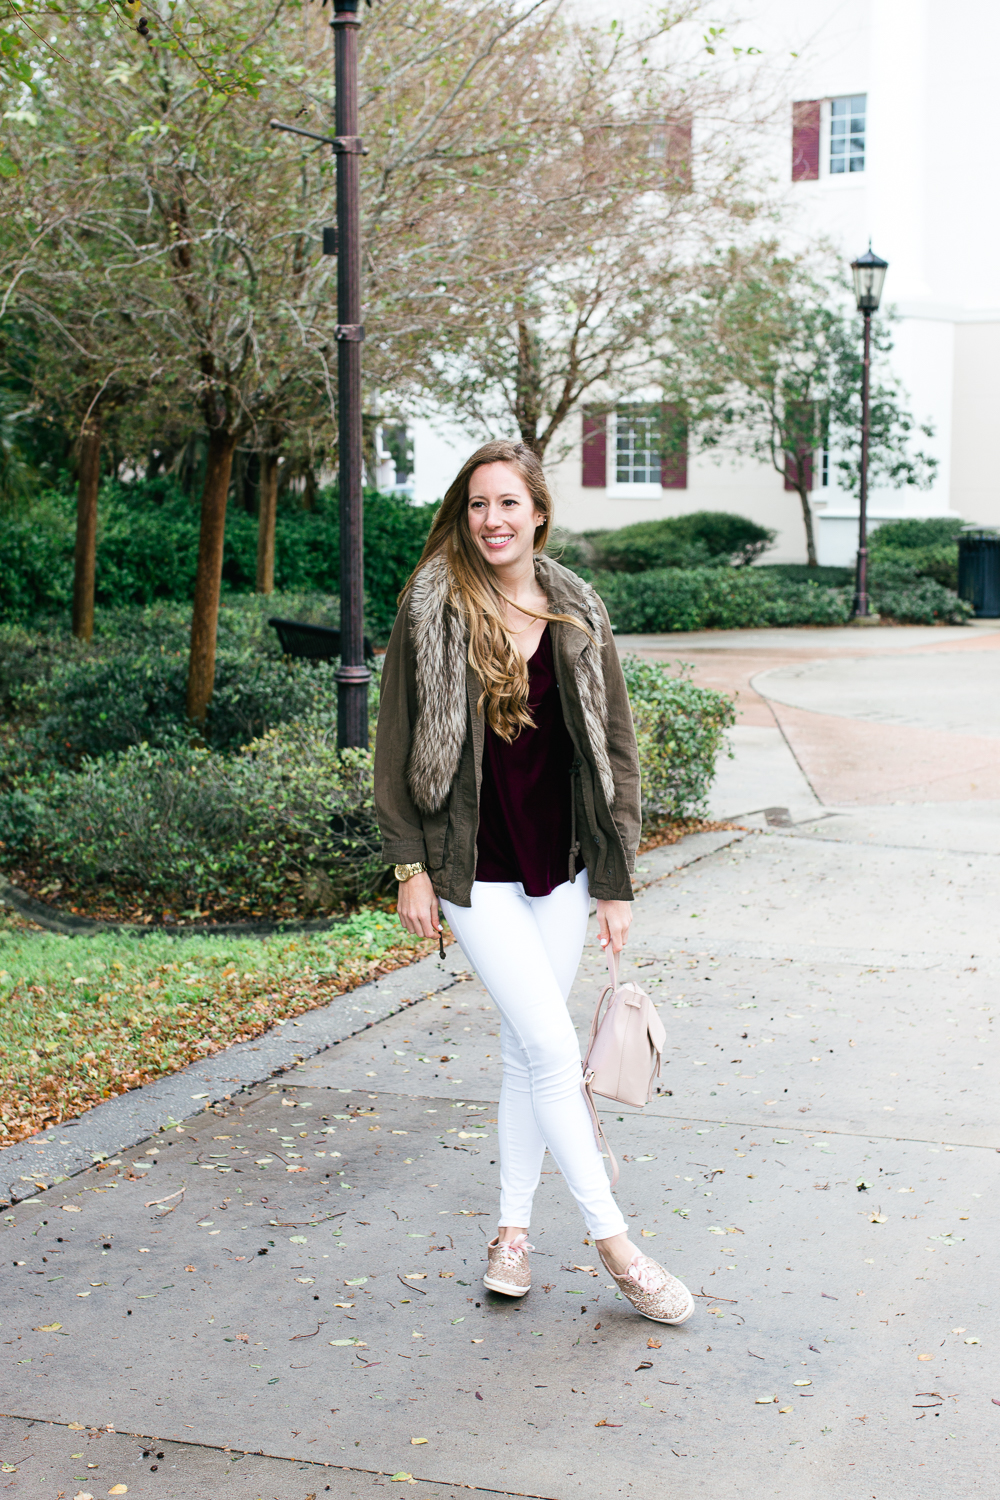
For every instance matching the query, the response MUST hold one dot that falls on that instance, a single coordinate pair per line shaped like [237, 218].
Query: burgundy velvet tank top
[524, 801]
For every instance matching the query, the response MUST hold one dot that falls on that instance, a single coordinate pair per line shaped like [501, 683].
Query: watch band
[407, 872]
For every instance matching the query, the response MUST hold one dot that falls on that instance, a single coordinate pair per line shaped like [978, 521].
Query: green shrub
[290, 815]
[704, 537]
[680, 732]
[929, 548]
[914, 534]
[668, 599]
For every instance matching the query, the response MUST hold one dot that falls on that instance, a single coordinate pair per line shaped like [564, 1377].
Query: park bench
[311, 642]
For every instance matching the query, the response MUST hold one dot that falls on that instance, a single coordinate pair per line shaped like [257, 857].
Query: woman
[507, 788]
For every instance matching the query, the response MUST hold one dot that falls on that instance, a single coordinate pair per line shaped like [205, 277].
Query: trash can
[979, 571]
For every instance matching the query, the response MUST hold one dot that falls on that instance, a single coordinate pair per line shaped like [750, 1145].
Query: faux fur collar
[441, 653]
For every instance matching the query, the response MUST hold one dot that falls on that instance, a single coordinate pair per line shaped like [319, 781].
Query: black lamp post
[869, 274]
[352, 675]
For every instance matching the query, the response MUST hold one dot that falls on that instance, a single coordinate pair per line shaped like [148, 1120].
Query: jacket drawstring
[574, 842]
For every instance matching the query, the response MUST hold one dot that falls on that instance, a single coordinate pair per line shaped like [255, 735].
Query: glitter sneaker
[653, 1291]
[508, 1270]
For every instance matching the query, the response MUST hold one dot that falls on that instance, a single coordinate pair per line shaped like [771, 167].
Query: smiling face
[503, 517]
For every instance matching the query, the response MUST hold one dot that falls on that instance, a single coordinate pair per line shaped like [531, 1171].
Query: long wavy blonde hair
[493, 654]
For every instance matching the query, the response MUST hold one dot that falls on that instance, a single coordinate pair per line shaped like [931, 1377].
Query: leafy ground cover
[87, 1018]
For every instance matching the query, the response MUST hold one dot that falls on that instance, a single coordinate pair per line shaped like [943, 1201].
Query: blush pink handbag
[624, 1052]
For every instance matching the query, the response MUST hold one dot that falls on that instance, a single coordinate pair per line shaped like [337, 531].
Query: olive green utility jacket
[429, 745]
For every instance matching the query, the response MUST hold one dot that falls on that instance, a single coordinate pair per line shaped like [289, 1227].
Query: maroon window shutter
[805, 140]
[674, 459]
[595, 450]
[678, 155]
[792, 462]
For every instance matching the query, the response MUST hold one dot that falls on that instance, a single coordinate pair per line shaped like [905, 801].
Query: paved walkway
[318, 1326]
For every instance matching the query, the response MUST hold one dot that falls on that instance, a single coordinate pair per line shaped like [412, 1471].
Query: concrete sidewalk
[826, 1185]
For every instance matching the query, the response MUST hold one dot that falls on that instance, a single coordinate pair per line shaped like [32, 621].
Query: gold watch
[407, 872]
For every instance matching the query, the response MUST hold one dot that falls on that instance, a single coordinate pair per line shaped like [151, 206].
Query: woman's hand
[417, 905]
[613, 920]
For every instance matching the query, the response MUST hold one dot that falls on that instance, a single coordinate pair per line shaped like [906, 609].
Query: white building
[884, 138]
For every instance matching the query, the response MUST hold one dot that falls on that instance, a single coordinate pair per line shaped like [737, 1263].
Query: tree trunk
[204, 622]
[85, 553]
[528, 396]
[807, 517]
[267, 515]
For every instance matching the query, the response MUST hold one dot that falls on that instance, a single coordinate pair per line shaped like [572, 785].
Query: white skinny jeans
[526, 950]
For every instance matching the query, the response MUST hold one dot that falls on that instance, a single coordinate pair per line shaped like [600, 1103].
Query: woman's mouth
[496, 542]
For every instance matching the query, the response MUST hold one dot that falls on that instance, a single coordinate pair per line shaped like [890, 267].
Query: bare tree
[533, 219]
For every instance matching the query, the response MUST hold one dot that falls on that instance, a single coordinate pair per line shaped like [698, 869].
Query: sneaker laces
[512, 1250]
[645, 1273]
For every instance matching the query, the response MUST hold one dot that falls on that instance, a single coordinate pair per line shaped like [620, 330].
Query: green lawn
[85, 1018]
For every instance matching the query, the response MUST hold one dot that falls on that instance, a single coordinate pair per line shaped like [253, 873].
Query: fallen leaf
[784, 1410]
[653, 1344]
[649, 1234]
[76, 1427]
[83, 1495]
[605, 1423]
[878, 1218]
[970, 1341]
[765, 1400]
[401, 1477]
[118, 1489]
[47, 1328]
[416, 1442]
[71, 1208]
[645, 1364]
[343, 1343]
[925, 1356]
[480, 1396]
[190, 1268]
[479, 1341]
[801, 1382]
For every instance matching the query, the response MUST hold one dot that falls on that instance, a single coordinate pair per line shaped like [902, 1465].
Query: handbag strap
[608, 992]
[599, 1135]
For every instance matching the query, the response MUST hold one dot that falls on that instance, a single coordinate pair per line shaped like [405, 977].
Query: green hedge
[148, 550]
[669, 599]
[287, 818]
[290, 816]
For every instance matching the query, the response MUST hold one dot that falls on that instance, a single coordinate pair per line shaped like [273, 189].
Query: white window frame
[616, 491]
[840, 179]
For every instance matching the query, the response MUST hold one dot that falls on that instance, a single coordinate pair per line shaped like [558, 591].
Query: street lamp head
[869, 274]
